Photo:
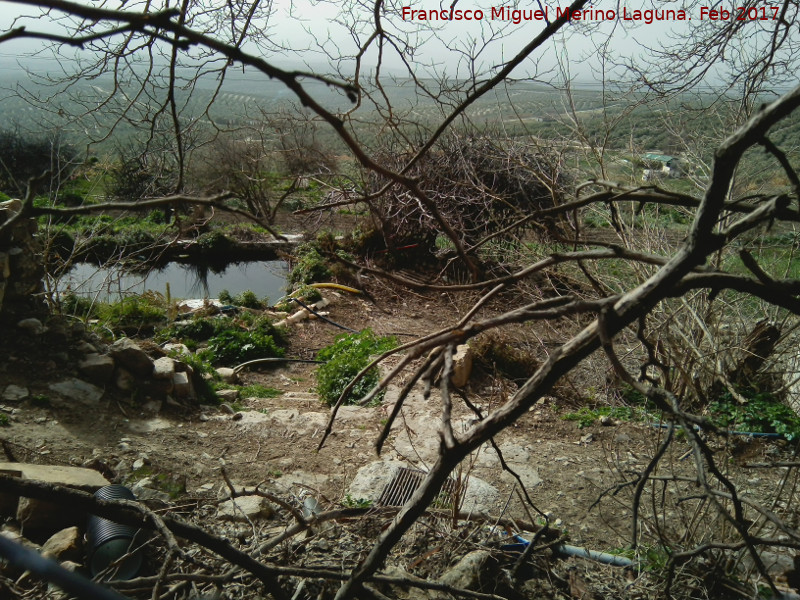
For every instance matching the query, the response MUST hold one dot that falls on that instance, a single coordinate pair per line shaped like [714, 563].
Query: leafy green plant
[213, 244]
[762, 413]
[310, 266]
[349, 502]
[306, 293]
[196, 330]
[4, 422]
[344, 359]
[247, 298]
[42, 400]
[239, 345]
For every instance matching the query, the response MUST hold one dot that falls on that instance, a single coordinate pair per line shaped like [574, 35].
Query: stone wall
[21, 270]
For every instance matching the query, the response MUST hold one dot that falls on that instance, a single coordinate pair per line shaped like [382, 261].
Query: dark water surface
[265, 278]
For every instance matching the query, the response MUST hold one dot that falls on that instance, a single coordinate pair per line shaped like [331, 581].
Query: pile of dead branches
[479, 185]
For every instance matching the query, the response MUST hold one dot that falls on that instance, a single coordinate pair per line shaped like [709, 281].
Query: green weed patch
[348, 355]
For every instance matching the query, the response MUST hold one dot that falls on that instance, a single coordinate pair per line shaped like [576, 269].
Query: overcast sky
[303, 24]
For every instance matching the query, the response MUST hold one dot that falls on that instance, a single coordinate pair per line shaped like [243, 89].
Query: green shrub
[248, 299]
[213, 244]
[309, 267]
[69, 199]
[79, 306]
[344, 359]
[196, 330]
[157, 216]
[135, 312]
[762, 413]
[240, 345]
[61, 244]
[306, 293]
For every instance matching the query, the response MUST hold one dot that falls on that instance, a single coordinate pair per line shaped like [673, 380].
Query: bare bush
[479, 184]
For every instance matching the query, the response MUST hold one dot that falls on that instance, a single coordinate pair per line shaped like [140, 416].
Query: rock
[462, 365]
[78, 390]
[286, 416]
[10, 208]
[175, 403]
[182, 386]
[245, 508]
[11, 532]
[8, 502]
[31, 326]
[76, 477]
[77, 329]
[15, 393]
[226, 408]
[86, 348]
[57, 332]
[41, 515]
[177, 349]
[206, 488]
[64, 545]
[470, 573]
[97, 367]
[132, 357]
[124, 380]
[228, 395]
[152, 407]
[479, 497]
[228, 375]
[164, 368]
[155, 388]
[146, 494]
[311, 397]
[371, 479]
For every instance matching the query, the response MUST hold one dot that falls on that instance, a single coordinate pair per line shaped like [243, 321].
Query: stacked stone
[21, 270]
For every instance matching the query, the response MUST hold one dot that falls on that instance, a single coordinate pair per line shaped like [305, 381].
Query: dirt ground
[569, 473]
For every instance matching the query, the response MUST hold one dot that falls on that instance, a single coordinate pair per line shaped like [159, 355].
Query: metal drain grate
[405, 482]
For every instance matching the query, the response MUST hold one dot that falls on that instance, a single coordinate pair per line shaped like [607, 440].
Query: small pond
[265, 278]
